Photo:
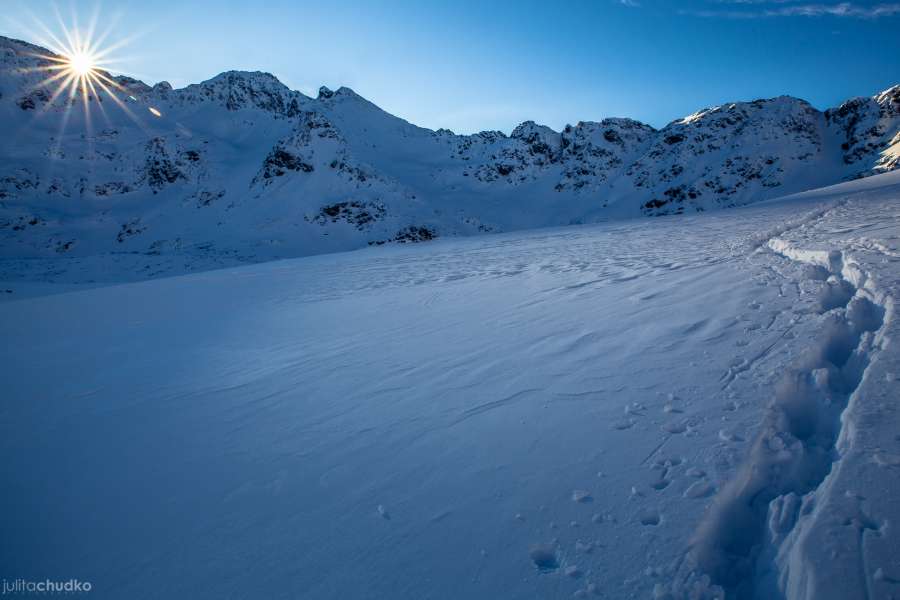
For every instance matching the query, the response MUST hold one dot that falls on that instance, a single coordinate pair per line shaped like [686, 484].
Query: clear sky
[490, 64]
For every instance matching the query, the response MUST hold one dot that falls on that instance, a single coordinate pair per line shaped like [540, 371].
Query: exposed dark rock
[33, 99]
[410, 235]
[359, 214]
[131, 228]
[280, 161]
[159, 169]
[111, 188]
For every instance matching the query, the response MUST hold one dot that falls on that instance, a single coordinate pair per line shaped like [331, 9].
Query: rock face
[729, 155]
[868, 127]
[241, 168]
[237, 90]
[584, 156]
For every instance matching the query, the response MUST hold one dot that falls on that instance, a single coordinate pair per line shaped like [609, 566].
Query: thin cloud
[787, 8]
[844, 9]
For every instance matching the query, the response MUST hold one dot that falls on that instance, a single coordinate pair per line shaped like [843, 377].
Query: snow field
[577, 412]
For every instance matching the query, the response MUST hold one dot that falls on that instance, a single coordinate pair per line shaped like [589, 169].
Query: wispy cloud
[844, 9]
[630, 3]
[792, 8]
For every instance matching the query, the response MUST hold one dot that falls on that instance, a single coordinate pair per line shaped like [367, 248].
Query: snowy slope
[241, 169]
[666, 408]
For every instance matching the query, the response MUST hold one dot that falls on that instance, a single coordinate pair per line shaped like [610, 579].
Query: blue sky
[474, 65]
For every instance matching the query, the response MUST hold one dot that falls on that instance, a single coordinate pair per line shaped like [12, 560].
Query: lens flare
[77, 68]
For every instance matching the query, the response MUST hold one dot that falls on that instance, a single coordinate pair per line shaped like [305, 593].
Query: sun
[82, 63]
[78, 68]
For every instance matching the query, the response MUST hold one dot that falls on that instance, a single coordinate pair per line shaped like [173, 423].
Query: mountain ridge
[239, 168]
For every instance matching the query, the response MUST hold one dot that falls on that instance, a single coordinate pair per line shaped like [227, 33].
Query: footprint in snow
[661, 484]
[544, 557]
[675, 427]
[699, 489]
[649, 516]
[582, 496]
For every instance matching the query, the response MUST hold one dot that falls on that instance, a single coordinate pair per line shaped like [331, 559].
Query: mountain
[240, 168]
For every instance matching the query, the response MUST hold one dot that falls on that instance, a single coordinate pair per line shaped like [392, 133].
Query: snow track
[746, 547]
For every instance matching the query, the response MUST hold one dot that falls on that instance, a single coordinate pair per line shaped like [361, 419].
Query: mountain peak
[347, 93]
[246, 89]
[890, 97]
[529, 129]
[256, 79]
[134, 86]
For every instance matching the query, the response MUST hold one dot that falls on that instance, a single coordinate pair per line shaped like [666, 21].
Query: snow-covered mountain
[240, 168]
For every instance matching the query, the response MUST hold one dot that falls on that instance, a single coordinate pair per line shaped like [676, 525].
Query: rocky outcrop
[240, 90]
[867, 128]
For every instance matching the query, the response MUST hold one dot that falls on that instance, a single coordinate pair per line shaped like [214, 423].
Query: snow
[672, 408]
[240, 169]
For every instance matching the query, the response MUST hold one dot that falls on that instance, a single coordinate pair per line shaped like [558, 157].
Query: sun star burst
[78, 67]
[82, 63]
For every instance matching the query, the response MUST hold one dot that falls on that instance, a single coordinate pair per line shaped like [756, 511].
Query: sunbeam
[77, 68]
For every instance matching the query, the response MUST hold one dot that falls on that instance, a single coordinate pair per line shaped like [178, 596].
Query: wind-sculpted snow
[238, 169]
[691, 407]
